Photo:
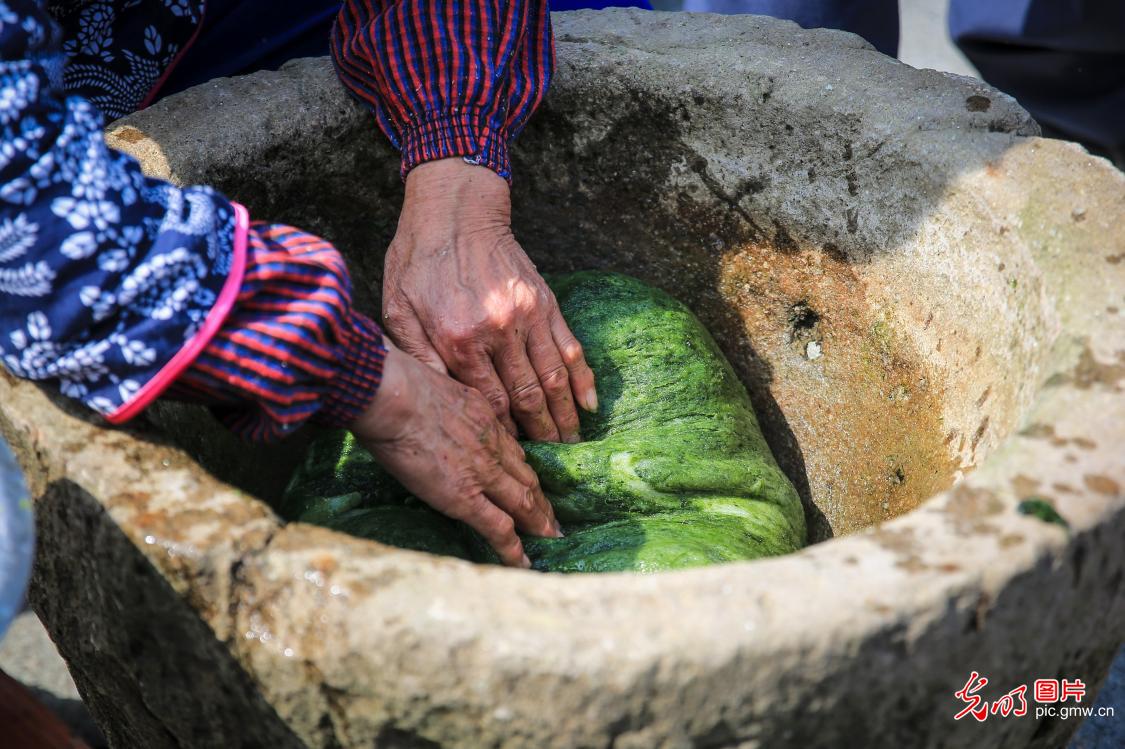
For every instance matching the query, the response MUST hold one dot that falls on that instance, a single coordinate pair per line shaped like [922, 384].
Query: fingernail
[572, 439]
[558, 530]
[525, 562]
[590, 401]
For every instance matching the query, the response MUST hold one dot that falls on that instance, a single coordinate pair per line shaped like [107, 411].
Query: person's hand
[460, 294]
[442, 441]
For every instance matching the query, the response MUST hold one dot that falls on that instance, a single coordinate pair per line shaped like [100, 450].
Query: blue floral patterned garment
[118, 52]
[130, 266]
[118, 289]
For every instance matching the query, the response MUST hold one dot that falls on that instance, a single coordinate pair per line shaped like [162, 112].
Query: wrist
[359, 372]
[469, 134]
[389, 410]
[457, 194]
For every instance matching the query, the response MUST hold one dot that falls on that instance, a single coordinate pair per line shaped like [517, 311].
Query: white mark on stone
[439, 611]
[813, 350]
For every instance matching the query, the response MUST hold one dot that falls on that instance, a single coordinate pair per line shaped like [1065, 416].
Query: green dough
[340, 486]
[418, 528]
[674, 471]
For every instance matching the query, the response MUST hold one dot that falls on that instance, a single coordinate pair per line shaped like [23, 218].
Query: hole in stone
[802, 316]
[978, 103]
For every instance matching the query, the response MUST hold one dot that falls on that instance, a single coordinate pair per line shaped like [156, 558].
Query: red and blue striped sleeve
[119, 289]
[293, 349]
[447, 77]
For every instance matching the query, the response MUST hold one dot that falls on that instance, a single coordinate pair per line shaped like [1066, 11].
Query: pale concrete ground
[28, 654]
[924, 41]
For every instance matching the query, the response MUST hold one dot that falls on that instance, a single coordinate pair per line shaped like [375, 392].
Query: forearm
[105, 276]
[114, 286]
[447, 79]
[293, 348]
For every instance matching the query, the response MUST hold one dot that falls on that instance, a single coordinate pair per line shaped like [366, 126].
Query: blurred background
[924, 41]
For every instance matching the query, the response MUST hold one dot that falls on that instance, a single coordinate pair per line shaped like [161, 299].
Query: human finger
[582, 382]
[525, 394]
[477, 371]
[554, 378]
[514, 463]
[406, 330]
[531, 514]
[496, 527]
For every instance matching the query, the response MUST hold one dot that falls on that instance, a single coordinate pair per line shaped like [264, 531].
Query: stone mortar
[963, 280]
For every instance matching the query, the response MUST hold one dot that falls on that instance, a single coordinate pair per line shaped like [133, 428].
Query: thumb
[407, 332]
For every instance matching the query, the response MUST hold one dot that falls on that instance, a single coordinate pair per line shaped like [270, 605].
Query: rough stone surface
[961, 278]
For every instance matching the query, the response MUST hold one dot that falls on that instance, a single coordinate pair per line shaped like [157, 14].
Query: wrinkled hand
[460, 294]
[442, 441]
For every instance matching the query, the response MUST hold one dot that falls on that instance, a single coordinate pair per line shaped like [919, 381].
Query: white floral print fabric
[117, 50]
[104, 273]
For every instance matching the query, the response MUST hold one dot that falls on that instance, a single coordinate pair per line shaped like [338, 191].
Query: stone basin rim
[929, 521]
[941, 587]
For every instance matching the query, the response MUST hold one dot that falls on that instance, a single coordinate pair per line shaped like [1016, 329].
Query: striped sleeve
[293, 349]
[447, 77]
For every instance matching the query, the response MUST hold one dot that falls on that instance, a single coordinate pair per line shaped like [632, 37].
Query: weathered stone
[960, 279]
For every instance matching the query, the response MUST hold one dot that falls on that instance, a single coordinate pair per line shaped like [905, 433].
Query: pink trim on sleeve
[152, 389]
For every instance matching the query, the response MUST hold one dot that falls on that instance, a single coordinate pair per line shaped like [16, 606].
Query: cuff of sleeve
[449, 136]
[183, 359]
[360, 370]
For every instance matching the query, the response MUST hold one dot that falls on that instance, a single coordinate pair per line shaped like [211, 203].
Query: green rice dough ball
[337, 475]
[340, 486]
[665, 541]
[409, 527]
[674, 471]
